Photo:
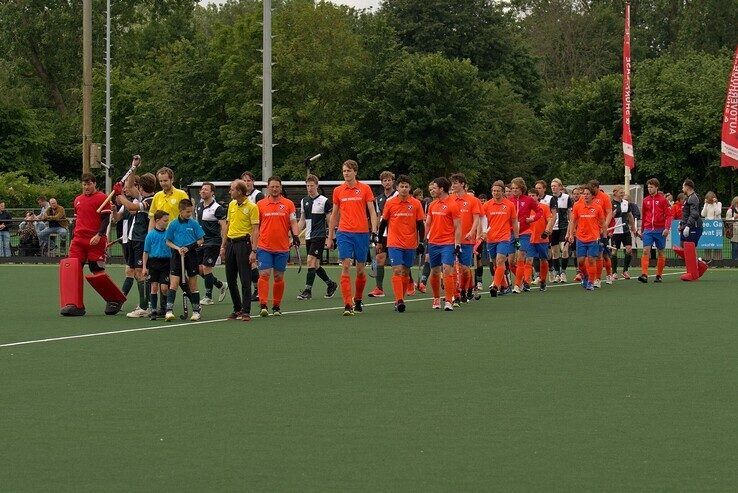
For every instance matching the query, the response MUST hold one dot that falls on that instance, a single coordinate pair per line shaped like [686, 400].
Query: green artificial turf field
[630, 387]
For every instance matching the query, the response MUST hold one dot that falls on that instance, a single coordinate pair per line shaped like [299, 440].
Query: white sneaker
[169, 316]
[448, 306]
[138, 312]
[557, 279]
[536, 281]
[436, 303]
[608, 280]
[479, 286]
[195, 316]
[597, 283]
[563, 277]
[516, 290]
[206, 301]
[223, 291]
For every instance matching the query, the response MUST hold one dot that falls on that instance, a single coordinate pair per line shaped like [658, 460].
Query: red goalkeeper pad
[70, 283]
[105, 287]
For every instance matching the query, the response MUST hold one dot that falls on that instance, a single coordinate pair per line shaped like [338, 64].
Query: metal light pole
[86, 84]
[108, 181]
[266, 93]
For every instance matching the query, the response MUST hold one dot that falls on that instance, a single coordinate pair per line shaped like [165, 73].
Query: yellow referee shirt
[168, 202]
[242, 218]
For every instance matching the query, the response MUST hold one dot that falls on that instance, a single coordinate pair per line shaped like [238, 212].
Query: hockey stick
[299, 258]
[134, 165]
[185, 290]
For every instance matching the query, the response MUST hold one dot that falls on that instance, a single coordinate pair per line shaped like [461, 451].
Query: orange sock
[608, 265]
[405, 284]
[528, 273]
[263, 285]
[499, 276]
[448, 284]
[398, 286]
[519, 272]
[644, 264]
[359, 284]
[660, 264]
[435, 282]
[346, 290]
[544, 270]
[582, 267]
[594, 271]
[278, 292]
[599, 265]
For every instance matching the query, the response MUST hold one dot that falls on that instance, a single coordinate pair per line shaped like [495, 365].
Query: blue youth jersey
[184, 232]
[155, 244]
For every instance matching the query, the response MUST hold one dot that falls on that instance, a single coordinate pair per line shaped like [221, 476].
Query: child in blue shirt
[156, 258]
[183, 236]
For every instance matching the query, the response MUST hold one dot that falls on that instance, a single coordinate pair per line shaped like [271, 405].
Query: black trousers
[237, 266]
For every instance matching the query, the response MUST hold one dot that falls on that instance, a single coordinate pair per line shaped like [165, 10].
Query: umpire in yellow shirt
[167, 199]
[236, 249]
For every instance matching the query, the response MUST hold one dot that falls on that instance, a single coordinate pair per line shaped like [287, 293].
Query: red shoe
[626, 275]
[421, 287]
[376, 293]
[410, 289]
[687, 277]
[701, 267]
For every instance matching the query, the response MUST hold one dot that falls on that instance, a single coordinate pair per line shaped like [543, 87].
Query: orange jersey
[351, 202]
[589, 221]
[500, 217]
[468, 206]
[537, 228]
[275, 217]
[602, 200]
[402, 216]
[442, 213]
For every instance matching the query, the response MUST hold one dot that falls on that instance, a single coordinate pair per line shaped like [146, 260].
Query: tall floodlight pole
[108, 181]
[86, 84]
[266, 94]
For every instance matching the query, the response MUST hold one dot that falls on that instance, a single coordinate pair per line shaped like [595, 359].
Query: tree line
[422, 87]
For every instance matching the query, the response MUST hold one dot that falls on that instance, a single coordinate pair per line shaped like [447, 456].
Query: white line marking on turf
[190, 324]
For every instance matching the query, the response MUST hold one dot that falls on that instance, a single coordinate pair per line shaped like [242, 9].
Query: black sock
[479, 274]
[321, 273]
[614, 260]
[425, 273]
[195, 300]
[380, 276]
[154, 301]
[557, 265]
[171, 296]
[626, 261]
[127, 285]
[163, 301]
[208, 284]
[537, 266]
[143, 301]
[564, 263]
[310, 280]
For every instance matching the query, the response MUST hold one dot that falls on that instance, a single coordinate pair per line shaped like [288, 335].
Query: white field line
[190, 324]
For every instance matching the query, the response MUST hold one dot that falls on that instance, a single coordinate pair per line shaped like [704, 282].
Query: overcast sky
[362, 4]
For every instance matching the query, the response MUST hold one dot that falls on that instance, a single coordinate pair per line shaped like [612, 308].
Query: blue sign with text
[712, 234]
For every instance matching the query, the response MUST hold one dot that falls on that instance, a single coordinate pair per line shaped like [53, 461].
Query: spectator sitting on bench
[57, 224]
[5, 223]
[28, 246]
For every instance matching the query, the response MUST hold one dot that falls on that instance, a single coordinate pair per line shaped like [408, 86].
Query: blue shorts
[440, 255]
[272, 260]
[401, 256]
[538, 250]
[467, 255]
[500, 248]
[588, 248]
[654, 237]
[524, 240]
[352, 245]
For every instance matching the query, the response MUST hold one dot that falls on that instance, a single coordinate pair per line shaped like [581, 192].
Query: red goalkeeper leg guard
[690, 259]
[71, 300]
[110, 292]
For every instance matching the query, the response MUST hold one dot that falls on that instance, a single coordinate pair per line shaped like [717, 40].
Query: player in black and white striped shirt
[559, 247]
[314, 213]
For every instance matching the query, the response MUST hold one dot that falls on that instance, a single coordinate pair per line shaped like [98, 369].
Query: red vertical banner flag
[628, 154]
[729, 141]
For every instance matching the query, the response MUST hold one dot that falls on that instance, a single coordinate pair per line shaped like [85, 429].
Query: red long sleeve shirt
[655, 212]
[525, 205]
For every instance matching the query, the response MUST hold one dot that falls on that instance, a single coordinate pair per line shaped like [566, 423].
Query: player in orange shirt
[443, 224]
[351, 202]
[470, 211]
[539, 244]
[603, 259]
[587, 226]
[277, 218]
[402, 216]
[502, 229]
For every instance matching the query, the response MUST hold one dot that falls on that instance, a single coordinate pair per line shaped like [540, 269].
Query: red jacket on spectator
[655, 212]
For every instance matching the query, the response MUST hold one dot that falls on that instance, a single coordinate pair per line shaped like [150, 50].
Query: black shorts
[620, 240]
[158, 270]
[207, 255]
[315, 247]
[126, 251]
[558, 236]
[192, 266]
[135, 254]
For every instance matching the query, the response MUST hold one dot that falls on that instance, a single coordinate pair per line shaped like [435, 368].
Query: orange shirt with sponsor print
[603, 200]
[589, 221]
[468, 206]
[500, 217]
[351, 202]
[402, 216]
[537, 228]
[275, 217]
[442, 212]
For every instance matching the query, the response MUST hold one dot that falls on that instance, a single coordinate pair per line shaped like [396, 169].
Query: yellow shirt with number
[168, 202]
[242, 218]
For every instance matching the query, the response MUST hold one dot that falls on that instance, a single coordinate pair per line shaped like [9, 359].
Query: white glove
[685, 231]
